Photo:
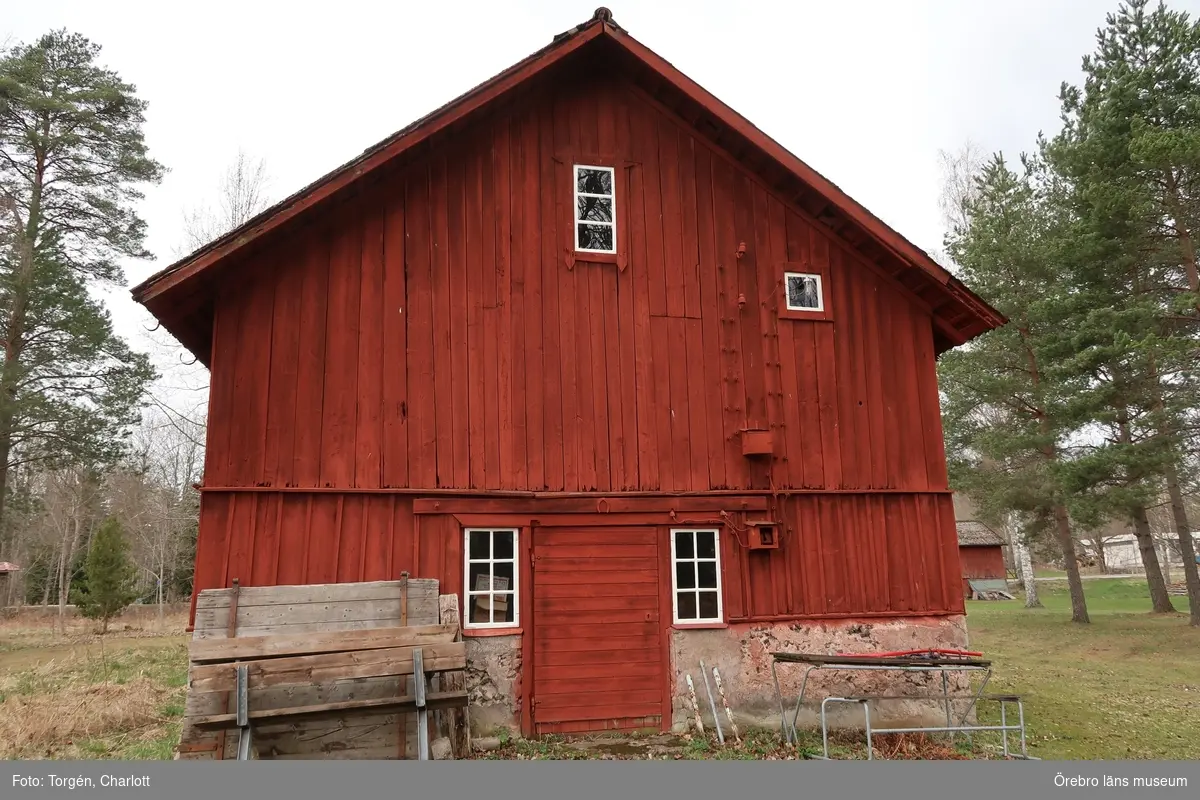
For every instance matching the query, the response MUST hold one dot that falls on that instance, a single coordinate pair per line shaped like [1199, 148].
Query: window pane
[593, 209]
[708, 574]
[478, 578]
[706, 544]
[502, 575]
[708, 605]
[802, 291]
[687, 605]
[595, 237]
[505, 606]
[683, 545]
[480, 548]
[480, 608]
[685, 575]
[593, 181]
[502, 545]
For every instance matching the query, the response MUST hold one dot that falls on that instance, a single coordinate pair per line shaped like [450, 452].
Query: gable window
[491, 578]
[595, 209]
[803, 291]
[696, 575]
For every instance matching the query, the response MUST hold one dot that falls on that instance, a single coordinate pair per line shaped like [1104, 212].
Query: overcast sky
[865, 92]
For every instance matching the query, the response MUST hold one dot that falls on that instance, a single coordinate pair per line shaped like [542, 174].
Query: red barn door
[597, 630]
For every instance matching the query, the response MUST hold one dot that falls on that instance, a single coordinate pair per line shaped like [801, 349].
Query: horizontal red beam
[532, 494]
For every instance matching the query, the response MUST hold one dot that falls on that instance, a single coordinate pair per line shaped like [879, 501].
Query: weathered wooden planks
[260, 647]
[403, 703]
[337, 689]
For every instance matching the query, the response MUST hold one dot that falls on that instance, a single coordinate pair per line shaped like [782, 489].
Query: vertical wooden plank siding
[438, 331]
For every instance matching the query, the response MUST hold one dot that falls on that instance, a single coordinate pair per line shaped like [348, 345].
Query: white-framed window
[696, 575]
[491, 578]
[595, 209]
[804, 291]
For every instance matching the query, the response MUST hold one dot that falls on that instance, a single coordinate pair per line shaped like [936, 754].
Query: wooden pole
[728, 713]
[695, 705]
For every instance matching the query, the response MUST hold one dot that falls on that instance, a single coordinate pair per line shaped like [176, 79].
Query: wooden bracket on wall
[757, 442]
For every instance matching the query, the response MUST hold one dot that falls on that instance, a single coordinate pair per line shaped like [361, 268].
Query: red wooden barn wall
[433, 333]
[982, 562]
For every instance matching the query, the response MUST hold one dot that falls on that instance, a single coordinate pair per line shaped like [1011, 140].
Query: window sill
[807, 316]
[482, 632]
[594, 258]
[698, 626]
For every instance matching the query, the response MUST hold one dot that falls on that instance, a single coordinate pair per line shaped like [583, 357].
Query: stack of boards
[329, 671]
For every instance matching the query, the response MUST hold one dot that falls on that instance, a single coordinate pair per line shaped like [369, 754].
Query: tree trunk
[18, 311]
[1098, 546]
[1066, 542]
[1159, 599]
[1025, 569]
[1187, 549]
[162, 568]
[1187, 247]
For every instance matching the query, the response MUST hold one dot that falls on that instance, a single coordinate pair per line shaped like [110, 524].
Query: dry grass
[74, 694]
[35, 628]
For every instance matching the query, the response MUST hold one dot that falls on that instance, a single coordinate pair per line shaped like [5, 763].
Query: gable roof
[975, 534]
[180, 296]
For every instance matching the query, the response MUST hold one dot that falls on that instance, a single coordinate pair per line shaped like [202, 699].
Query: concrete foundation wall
[493, 670]
[741, 653]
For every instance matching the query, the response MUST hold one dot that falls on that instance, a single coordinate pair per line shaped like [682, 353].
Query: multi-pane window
[803, 292]
[696, 581]
[595, 209]
[491, 578]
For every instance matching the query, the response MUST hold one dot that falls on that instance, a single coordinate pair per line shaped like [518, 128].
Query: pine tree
[108, 573]
[1130, 147]
[73, 156]
[1006, 398]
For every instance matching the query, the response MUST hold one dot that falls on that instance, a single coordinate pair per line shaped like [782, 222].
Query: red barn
[981, 551]
[587, 346]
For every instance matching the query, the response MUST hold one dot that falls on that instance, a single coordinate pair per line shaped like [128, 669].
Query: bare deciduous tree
[241, 195]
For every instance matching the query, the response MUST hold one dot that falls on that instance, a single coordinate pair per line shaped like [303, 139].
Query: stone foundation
[493, 670]
[741, 653]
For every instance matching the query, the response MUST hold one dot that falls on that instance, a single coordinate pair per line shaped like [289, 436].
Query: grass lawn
[1127, 686]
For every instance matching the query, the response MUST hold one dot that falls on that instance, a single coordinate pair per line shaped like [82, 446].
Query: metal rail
[1004, 727]
[243, 712]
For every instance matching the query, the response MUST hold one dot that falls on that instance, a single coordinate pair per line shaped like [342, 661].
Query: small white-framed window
[595, 209]
[804, 291]
[491, 578]
[696, 575]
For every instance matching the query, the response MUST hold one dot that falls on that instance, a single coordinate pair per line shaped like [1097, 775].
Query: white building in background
[1121, 553]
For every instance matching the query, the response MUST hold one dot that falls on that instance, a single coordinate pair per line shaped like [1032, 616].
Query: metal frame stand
[1004, 727]
[909, 664]
[789, 727]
